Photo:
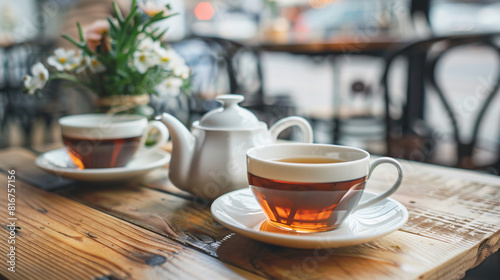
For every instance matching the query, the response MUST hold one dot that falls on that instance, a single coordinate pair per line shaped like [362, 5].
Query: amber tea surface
[310, 160]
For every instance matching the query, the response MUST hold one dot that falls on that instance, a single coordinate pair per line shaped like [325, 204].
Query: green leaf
[81, 45]
[123, 73]
[130, 16]
[168, 16]
[72, 41]
[154, 31]
[159, 36]
[112, 26]
[137, 19]
[118, 13]
[80, 32]
[130, 39]
[154, 19]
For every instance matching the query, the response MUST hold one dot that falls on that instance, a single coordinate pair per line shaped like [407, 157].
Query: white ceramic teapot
[211, 160]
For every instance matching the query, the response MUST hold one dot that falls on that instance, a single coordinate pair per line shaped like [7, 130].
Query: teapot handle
[305, 127]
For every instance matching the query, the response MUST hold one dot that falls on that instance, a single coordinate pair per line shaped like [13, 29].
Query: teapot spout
[183, 145]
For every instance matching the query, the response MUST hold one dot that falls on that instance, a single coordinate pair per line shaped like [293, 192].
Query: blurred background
[413, 79]
[321, 59]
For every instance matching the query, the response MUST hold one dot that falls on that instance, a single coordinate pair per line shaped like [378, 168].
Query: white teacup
[107, 141]
[312, 187]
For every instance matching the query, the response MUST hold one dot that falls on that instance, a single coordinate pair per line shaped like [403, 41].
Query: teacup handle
[163, 138]
[388, 192]
[305, 127]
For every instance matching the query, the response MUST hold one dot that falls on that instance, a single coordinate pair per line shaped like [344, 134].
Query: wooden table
[355, 44]
[151, 230]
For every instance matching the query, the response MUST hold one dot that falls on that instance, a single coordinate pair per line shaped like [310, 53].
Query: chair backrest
[244, 70]
[242, 65]
[17, 108]
[412, 131]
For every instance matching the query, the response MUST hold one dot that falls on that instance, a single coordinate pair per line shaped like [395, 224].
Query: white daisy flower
[62, 60]
[170, 86]
[168, 57]
[181, 70]
[27, 84]
[143, 60]
[148, 44]
[95, 65]
[38, 80]
[80, 62]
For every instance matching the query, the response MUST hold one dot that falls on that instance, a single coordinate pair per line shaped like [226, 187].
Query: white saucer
[59, 163]
[239, 211]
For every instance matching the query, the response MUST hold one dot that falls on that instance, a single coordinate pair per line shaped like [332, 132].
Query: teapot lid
[230, 115]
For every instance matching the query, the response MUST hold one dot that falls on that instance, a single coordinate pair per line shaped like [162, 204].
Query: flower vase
[130, 104]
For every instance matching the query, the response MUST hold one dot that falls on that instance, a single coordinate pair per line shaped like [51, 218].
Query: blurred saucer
[240, 211]
[58, 162]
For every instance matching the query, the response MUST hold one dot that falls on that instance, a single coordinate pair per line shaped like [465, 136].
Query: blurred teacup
[312, 187]
[108, 141]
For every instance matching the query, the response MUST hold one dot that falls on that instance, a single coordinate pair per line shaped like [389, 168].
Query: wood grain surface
[57, 238]
[454, 224]
[338, 45]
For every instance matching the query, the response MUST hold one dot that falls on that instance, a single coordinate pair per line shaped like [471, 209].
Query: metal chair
[409, 135]
[18, 109]
[229, 67]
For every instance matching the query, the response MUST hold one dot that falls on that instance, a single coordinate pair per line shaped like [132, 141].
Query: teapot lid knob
[230, 115]
[228, 100]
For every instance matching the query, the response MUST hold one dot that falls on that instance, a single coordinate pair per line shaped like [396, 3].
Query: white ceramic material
[210, 160]
[239, 211]
[106, 126]
[59, 163]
